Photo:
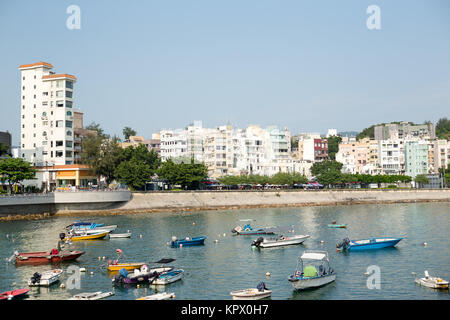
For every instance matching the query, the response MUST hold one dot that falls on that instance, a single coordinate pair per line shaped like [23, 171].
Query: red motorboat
[46, 257]
[13, 294]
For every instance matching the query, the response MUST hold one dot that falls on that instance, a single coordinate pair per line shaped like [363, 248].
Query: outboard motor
[36, 278]
[62, 235]
[257, 242]
[123, 273]
[261, 287]
[343, 244]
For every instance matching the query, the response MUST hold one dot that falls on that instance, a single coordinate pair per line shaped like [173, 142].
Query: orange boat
[46, 257]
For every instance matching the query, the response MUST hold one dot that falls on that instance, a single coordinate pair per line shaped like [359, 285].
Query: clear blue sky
[308, 65]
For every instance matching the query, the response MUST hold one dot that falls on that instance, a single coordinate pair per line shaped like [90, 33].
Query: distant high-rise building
[5, 139]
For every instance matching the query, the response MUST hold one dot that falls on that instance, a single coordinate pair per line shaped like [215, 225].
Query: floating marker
[267, 274]
[181, 245]
[366, 273]
[91, 273]
[216, 241]
[62, 285]
[193, 223]
[99, 258]
[224, 234]
[137, 286]
[103, 258]
[140, 236]
[82, 269]
[425, 244]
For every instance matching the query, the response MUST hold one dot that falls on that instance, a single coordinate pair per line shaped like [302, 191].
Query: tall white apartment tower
[46, 104]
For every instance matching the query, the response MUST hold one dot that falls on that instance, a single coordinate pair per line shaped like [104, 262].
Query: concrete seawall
[215, 200]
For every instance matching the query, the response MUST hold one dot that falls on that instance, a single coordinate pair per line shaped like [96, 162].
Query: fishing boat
[313, 270]
[159, 296]
[144, 274]
[92, 295]
[195, 241]
[249, 230]
[46, 279]
[281, 240]
[46, 257]
[367, 244]
[85, 236]
[120, 235]
[260, 292]
[432, 282]
[9, 295]
[85, 224]
[168, 277]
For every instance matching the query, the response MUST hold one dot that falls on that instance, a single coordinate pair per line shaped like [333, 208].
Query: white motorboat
[432, 282]
[120, 235]
[260, 292]
[168, 277]
[159, 296]
[87, 231]
[313, 270]
[45, 278]
[282, 240]
[92, 295]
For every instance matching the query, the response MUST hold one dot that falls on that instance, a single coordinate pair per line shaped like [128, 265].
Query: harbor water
[230, 263]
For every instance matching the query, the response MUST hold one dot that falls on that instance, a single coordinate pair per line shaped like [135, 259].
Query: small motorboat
[282, 240]
[335, 225]
[432, 282]
[367, 244]
[144, 274]
[92, 295]
[120, 235]
[249, 230]
[260, 292]
[46, 279]
[86, 236]
[159, 296]
[313, 270]
[43, 257]
[116, 266]
[9, 295]
[168, 277]
[195, 241]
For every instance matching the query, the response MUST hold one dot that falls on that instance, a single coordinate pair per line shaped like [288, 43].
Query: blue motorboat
[195, 241]
[367, 244]
[249, 230]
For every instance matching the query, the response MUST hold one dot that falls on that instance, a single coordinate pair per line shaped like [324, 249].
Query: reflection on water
[231, 263]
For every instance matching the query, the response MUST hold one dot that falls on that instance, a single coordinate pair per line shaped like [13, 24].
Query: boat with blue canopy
[367, 244]
[249, 230]
[194, 241]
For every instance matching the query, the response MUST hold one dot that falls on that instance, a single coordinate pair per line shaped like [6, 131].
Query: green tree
[333, 146]
[133, 173]
[188, 175]
[321, 167]
[443, 129]
[15, 170]
[421, 179]
[3, 149]
[96, 127]
[128, 132]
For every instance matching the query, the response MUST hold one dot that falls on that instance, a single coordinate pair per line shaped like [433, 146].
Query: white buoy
[137, 286]
[62, 285]
[425, 244]
[366, 273]
[181, 245]
[82, 269]
[193, 223]
[103, 258]
[140, 236]
[91, 273]
[216, 241]
[267, 274]
[224, 234]
[99, 258]
[321, 241]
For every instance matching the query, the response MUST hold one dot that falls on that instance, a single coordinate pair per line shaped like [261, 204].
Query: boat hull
[311, 282]
[119, 235]
[96, 236]
[337, 226]
[126, 266]
[250, 294]
[197, 241]
[159, 296]
[45, 257]
[13, 294]
[354, 246]
[432, 283]
[47, 278]
[278, 243]
[169, 277]
[92, 295]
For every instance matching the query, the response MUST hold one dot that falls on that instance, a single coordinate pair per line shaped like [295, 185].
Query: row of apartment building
[400, 149]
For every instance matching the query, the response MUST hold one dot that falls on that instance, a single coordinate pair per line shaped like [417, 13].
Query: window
[69, 113]
[44, 114]
[59, 154]
[69, 144]
[60, 103]
[59, 83]
[68, 94]
[59, 123]
[59, 143]
[44, 133]
[69, 133]
[69, 84]
[69, 154]
[44, 103]
[68, 104]
[68, 124]
[45, 93]
[59, 93]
